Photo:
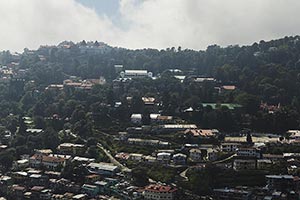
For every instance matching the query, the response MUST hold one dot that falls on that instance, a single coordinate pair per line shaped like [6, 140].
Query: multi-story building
[244, 164]
[70, 148]
[195, 155]
[230, 147]
[248, 152]
[158, 192]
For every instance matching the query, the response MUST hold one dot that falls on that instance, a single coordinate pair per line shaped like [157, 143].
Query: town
[81, 121]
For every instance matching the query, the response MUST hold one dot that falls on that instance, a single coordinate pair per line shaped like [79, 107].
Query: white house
[136, 118]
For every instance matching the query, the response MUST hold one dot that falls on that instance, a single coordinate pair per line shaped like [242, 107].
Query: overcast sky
[146, 23]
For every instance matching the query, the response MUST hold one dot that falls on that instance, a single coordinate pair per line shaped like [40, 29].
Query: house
[179, 159]
[136, 156]
[80, 197]
[158, 192]
[248, 152]
[70, 148]
[244, 164]
[107, 169]
[230, 147]
[148, 101]
[294, 134]
[201, 132]
[273, 157]
[21, 164]
[212, 154]
[38, 179]
[91, 190]
[163, 157]
[264, 164]
[132, 74]
[17, 191]
[176, 127]
[149, 159]
[36, 192]
[136, 118]
[103, 186]
[238, 194]
[82, 160]
[195, 155]
[50, 162]
[92, 178]
[164, 119]
[281, 182]
[139, 141]
[19, 176]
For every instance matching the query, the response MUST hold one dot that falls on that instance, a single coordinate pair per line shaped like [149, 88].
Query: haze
[146, 23]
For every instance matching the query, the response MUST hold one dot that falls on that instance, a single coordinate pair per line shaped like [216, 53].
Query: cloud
[199, 23]
[31, 23]
[148, 23]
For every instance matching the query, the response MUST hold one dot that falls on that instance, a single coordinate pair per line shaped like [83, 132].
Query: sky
[192, 24]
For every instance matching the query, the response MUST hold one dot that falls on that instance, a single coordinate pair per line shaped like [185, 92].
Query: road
[113, 160]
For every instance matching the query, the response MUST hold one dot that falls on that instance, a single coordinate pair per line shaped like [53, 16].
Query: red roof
[160, 188]
[47, 158]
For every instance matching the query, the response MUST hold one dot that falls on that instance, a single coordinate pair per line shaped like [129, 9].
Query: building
[248, 152]
[282, 182]
[136, 118]
[212, 154]
[158, 192]
[164, 157]
[201, 132]
[148, 142]
[264, 164]
[132, 74]
[70, 148]
[136, 156]
[230, 147]
[228, 194]
[244, 164]
[91, 190]
[107, 169]
[176, 127]
[195, 155]
[179, 159]
[21, 164]
[50, 162]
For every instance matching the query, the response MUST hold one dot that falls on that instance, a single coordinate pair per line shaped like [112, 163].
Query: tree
[249, 138]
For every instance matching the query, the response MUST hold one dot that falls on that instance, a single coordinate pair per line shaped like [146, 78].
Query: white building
[103, 168]
[136, 118]
[136, 74]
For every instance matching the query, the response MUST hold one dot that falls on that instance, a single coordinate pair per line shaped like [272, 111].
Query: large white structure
[103, 168]
[136, 74]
